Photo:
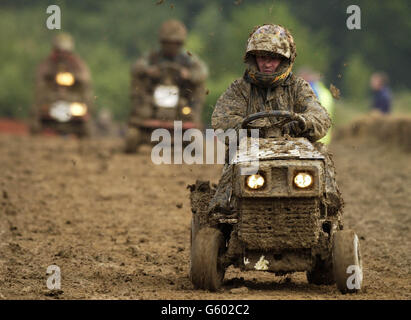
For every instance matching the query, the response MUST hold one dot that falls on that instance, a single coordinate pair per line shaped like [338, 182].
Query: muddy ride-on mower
[170, 102]
[279, 220]
[63, 108]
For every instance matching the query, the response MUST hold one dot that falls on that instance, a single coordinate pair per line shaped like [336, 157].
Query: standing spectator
[381, 93]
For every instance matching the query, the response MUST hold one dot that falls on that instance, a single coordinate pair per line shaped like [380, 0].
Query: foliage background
[110, 35]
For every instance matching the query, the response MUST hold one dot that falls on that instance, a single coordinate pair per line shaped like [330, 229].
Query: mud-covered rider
[187, 71]
[269, 84]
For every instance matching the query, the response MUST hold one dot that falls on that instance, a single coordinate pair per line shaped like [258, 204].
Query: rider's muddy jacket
[294, 94]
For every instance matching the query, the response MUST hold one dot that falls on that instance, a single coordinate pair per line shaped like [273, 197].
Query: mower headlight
[65, 79]
[186, 110]
[78, 109]
[166, 96]
[255, 181]
[303, 180]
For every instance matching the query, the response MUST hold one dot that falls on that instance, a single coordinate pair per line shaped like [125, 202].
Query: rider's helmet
[64, 42]
[273, 40]
[173, 31]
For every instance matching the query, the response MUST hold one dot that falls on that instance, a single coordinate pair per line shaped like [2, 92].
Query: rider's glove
[296, 127]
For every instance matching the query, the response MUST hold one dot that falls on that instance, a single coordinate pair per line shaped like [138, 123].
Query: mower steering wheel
[283, 116]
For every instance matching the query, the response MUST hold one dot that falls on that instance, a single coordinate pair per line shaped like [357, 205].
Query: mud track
[118, 225]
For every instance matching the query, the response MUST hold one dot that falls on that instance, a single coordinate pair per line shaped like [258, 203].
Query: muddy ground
[118, 225]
